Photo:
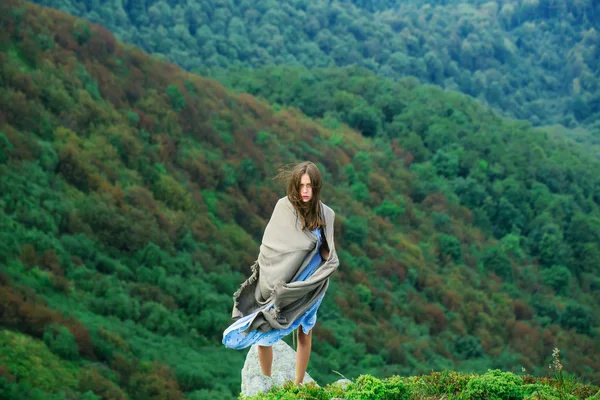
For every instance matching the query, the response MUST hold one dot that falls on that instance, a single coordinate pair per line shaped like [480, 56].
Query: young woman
[291, 275]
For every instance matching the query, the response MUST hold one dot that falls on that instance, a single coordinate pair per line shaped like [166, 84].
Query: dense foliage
[532, 59]
[492, 168]
[493, 385]
[133, 197]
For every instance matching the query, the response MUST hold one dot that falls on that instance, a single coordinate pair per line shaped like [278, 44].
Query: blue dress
[234, 338]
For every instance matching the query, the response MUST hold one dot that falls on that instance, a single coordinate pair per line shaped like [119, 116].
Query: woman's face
[305, 188]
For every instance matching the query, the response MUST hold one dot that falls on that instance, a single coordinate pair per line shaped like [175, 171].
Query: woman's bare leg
[303, 354]
[265, 357]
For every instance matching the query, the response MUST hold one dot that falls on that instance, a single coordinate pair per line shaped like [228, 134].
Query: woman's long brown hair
[309, 213]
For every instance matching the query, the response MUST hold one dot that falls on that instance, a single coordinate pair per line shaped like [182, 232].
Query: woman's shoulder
[283, 205]
[284, 201]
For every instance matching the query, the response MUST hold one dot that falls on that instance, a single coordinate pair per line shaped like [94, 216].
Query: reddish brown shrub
[149, 292]
[522, 310]
[76, 171]
[436, 318]
[390, 269]
[372, 250]
[124, 366]
[91, 379]
[436, 202]
[328, 336]
[113, 338]
[395, 351]
[4, 373]
[451, 300]
[61, 284]
[156, 382]
[20, 313]
[51, 262]
[167, 148]
[29, 256]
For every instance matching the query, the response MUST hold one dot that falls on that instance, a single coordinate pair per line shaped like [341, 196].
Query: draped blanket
[285, 251]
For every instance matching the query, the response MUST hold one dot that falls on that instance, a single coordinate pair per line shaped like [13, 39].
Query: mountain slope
[534, 60]
[134, 195]
[447, 133]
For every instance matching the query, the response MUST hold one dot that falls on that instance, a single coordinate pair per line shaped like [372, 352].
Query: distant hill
[530, 59]
[133, 196]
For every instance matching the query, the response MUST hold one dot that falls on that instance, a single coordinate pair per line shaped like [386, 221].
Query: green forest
[134, 194]
[537, 60]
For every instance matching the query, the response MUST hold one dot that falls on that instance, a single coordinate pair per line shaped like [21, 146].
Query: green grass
[447, 385]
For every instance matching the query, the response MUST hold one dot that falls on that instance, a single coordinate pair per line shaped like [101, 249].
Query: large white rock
[283, 370]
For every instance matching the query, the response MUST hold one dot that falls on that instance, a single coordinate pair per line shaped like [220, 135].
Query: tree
[93, 383]
[366, 119]
[583, 235]
[471, 193]
[467, 347]
[496, 261]
[177, 99]
[400, 62]
[365, 295]
[435, 68]
[363, 165]
[511, 244]
[439, 135]
[446, 163]
[557, 277]
[355, 230]
[5, 148]
[546, 242]
[247, 173]
[577, 317]
[61, 341]
[360, 192]
[450, 247]
[154, 381]
[390, 209]
[507, 219]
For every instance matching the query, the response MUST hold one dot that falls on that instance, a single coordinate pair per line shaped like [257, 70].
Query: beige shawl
[285, 251]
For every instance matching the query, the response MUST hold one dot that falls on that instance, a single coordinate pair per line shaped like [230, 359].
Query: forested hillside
[133, 196]
[451, 143]
[531, 59]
